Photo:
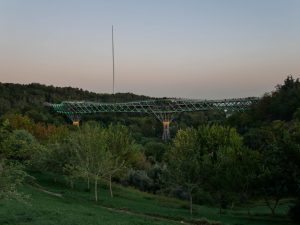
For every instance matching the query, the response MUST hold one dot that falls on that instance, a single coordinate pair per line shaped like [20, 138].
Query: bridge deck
[156, 106]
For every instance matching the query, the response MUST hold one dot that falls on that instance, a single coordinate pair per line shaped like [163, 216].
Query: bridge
[162, 109]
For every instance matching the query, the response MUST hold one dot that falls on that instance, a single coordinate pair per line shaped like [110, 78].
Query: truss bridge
[163, 109]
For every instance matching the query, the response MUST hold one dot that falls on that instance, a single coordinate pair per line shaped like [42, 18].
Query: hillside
[243, 170]
[54, 203]
[29, 98]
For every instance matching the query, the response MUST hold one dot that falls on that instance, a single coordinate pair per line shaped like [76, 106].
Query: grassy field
[129, 206]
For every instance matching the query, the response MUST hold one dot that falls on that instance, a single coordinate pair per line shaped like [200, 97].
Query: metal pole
[113, 56]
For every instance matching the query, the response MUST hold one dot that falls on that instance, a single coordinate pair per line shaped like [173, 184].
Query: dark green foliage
[20, 145]
[12, 175]
[285, 100]
[282, 104]
[13, 146]
[296, 115]
[4, 133]
[150, 180]
[208, 158]
[155, 150]
[138, 179]
[272, 127]
[29, 99]
[278, 144]
[294, 212]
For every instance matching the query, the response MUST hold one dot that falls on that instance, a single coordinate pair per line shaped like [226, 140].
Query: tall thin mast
[113, 56]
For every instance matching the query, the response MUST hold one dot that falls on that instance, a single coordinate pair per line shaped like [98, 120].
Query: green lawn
[77, 207]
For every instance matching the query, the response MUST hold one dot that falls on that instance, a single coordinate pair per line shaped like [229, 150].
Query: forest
[213, 161]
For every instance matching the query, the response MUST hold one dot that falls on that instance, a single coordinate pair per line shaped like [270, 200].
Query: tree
[12, 175]
[233, 173]
[120, 146]
[185, 162]
[90, 154]
[196, 153]
[4, 133]
[280, 104]
[230, 167]
[56, 155]
[20, 145]
[155, 150]
[279, 169]
[17, 121]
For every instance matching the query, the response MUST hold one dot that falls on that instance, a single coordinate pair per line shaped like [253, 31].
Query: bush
[155, 150]
[203, 197]
[138, 179]
[20, 145]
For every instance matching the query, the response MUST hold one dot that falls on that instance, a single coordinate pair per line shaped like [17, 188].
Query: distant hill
[29, 98]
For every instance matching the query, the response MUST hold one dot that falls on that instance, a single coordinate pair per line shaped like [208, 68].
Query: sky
[205, 49]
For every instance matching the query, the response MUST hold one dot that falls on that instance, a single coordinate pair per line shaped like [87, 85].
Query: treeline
[272, 129]
[29, 99]
[249, 156]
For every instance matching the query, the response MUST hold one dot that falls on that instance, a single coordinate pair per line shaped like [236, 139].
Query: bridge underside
[162, 109]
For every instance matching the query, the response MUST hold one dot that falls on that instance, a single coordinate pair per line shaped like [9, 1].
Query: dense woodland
[211, 159]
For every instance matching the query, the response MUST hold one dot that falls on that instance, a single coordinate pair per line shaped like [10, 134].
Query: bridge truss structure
[163, 109]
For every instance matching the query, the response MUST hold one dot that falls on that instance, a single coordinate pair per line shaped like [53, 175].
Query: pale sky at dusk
[174, 48]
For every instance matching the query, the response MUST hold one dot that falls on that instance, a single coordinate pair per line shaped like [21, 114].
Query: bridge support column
[166, 130]
[165, 119]
[76, 123]
[75, 119]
